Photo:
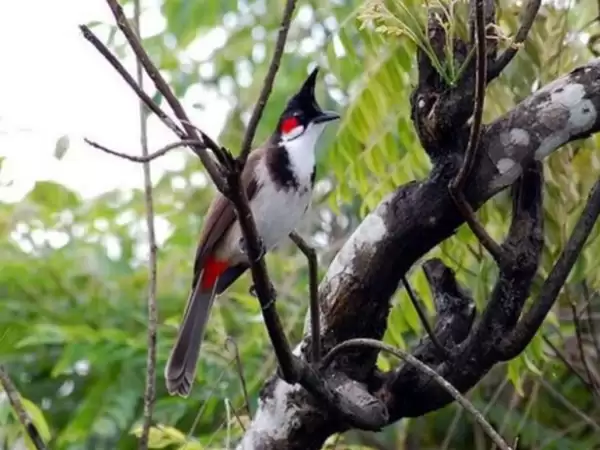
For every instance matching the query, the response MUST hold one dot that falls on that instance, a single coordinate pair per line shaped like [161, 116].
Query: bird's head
[303, 117]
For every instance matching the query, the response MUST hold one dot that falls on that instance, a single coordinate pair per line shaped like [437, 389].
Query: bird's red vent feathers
[289, 124]
[213, 269]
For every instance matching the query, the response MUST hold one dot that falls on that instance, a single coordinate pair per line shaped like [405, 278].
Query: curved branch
[372, 343]
[526, 329]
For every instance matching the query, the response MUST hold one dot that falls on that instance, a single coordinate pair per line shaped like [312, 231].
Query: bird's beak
[326, 116]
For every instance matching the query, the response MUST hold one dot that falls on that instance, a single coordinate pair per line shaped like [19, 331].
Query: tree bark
[356, 290]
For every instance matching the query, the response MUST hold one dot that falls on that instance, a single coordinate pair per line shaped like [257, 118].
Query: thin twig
[457, 184]
[268, 82]
[590, 319]
[166, 92]
[563, 358]
[579, 339]
[526, 328]
[372, 343]
[315, 314]
[113, 61]
[527, 19]
[17, 406]
[567, 404]
[146, 158]
[150, 389]
[200, 413]
[443, 353]
[240, 371]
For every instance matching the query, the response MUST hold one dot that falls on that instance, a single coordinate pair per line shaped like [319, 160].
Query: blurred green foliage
[73, 276]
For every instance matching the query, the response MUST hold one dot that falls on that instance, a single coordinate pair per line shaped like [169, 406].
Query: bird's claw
[272, 295]
[261, 252]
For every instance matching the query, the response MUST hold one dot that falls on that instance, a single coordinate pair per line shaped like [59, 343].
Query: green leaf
[50, 194]
[163, 436]
[38, 419]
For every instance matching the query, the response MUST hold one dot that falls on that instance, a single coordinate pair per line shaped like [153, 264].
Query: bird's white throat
[302, 148]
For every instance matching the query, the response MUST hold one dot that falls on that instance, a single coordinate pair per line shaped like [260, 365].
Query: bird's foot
[272, 295]
[261, 252]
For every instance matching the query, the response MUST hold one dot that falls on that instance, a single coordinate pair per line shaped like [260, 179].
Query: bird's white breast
[276, 211]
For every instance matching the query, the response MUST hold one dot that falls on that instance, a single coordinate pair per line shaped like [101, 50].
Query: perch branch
[19, 410]
[457, 185]
[527, 18]
[268, 81]
[350, 409]
[489, 430]
[524, 331]
[150, 389]
[315, 315]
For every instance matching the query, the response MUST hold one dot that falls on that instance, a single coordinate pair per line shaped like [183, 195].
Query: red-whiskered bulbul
[278, 178]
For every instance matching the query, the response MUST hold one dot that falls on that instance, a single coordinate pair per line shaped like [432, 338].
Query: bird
[278, 177]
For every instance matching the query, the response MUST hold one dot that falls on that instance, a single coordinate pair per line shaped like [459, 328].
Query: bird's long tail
[180, 369]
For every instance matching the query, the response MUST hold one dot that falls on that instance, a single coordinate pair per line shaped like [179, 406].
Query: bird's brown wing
[221, 214]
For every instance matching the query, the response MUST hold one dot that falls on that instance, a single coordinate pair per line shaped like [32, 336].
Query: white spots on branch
[275, 418]
[518, 136]
[421, 104]
[276, 415]
[504, 165]
[565, 98]
[511, 140]
[371, 230]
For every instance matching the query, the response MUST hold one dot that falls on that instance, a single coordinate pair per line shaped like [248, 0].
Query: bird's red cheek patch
[289, 124]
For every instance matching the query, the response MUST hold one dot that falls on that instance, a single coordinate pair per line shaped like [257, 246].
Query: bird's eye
[289, 124]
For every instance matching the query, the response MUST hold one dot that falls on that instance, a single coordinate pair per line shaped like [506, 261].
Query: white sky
[53, 82]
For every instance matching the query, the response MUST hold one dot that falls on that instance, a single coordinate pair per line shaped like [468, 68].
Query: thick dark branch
[19, 410]
[527, 18]
[474, 356]
[269, 78]
[313, 283]
[356, 290]
[455, 310]
[523, 248]
[426, 370]
[526, 329]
